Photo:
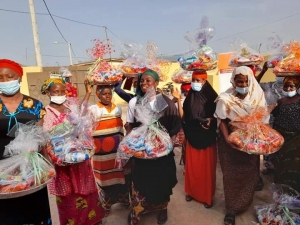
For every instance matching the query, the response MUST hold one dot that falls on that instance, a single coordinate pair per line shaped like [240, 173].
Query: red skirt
[200, 173]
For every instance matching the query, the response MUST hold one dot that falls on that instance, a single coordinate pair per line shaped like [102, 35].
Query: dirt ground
[181, 212]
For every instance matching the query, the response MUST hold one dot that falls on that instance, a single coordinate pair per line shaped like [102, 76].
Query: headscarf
[6, 63]
[295, 80]
[199, 74]
[197, 106]
[186, 87]
[49, 83]
[229, 106]
[148, 72]
[100, 88]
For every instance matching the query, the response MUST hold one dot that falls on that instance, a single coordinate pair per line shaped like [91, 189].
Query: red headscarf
[199, 74]
[6, 63]
[185, 87]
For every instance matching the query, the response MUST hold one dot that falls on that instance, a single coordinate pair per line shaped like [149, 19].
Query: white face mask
[289, 93]
[58, 99]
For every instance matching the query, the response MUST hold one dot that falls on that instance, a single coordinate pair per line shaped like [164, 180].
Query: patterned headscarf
[295, 80]
[49, 83]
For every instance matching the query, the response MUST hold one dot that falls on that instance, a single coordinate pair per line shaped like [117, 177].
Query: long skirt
[287, 161]
[240, 177]
[200, 173]
[76, 209]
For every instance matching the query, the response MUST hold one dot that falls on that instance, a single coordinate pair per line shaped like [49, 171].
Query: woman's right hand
[88, 87]
[176, 93]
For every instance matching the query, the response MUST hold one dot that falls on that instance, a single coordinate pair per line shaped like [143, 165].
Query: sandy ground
[181, 212]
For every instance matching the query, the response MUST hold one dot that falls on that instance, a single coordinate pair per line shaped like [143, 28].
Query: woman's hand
[88, 87]
[207, 125]
[232, 145]
[176, 93]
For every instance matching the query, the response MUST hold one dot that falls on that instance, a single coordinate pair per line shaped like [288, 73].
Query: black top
[33, 208]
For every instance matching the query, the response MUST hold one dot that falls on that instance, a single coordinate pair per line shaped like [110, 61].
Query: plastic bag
[244, 55]
[253, 136]
[290, 65]
[275, 45]
[26, 170]
[182, 76]
[150, 140]
[286, 199]
[134, 62]
[201, 57]
[71, 141]
[102, 72]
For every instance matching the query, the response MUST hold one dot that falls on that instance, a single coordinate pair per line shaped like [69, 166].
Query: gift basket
[134, 63]
[150, 140]
[286, 200]
[25, 171]
[71, 88]
[253, 136]
[201, 57]
[276, 46]
[162, 67]
[290, 65]
[181, 76]
[71, 140]
[102, 72]
[244, 55]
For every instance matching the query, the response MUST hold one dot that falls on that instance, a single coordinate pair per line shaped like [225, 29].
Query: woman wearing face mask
[240, 170]
[114, 184]
[287, 123]
[74, 185]
[18, 108]
[200, 130]
[153, 180]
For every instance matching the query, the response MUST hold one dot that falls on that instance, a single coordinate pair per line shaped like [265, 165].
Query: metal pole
[70, 53]
[38, 55]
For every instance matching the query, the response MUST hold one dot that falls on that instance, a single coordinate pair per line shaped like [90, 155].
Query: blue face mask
[242, 91]
[289, 93]
[10, 87]
[196, 86]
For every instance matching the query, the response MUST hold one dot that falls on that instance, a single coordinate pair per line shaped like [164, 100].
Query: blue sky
[163, 21]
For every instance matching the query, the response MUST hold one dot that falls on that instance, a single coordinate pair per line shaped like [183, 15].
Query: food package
[25, 171]
[244, 55]
[181, 76]
[102, 72]
[276, 47]
[286, 200]
[290, 65]
[71, 141]
[71, 89]
[150, 140]
[253, 136]
[201, 56]
[134, 63]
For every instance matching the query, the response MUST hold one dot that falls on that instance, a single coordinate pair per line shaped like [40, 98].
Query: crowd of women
[85, 192]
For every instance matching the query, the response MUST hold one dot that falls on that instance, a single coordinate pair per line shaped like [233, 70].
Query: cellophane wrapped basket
[201, 56]
[150, 140]
[26, 170]
[102, 72]
[182, 76]
[276, 47]
[244, 55]
[286, 200]
[290, 65]
[253, 136]
[71, 141]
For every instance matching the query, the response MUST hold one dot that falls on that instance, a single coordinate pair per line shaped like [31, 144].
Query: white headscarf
[229, 106]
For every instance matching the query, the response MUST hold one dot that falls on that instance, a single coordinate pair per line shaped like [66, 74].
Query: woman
[287, 123]
[240, 170]
[18, 108]
[153, 180]
[123, 94]
[74, 186]
[200, 130]
[107, 136]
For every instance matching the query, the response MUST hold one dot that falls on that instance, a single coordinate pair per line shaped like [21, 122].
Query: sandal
[229, 219]
[162, 216]
[207, 206]
[188, 198]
